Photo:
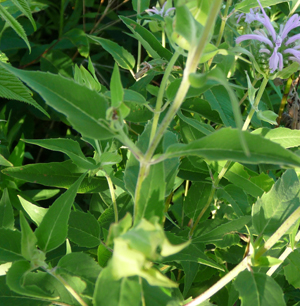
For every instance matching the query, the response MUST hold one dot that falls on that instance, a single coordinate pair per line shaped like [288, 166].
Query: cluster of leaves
[119, 188]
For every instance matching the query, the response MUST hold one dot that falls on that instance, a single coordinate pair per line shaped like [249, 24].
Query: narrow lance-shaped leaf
[24, 7]
[84, 108]
[225, 144]
[6, 211]
[53, 229]
[120, 55]
[12, 88]
[16, 26]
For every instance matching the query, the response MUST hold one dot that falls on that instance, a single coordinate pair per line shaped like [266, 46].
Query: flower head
[279, 46]
[160, 12]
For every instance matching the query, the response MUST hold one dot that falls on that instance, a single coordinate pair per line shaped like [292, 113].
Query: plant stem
[284, 98]
[160, 95]
[284, 255]
[256, 102]
[61, 18]
[113, 198]
[138, 63]
[163, 38]
[279, 233]
[221, 283]
[224, 19]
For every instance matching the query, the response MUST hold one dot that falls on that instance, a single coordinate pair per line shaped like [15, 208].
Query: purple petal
[294, 59]
[239, 16]
[292, 51]
[273, 61]
[291, 24]
[264, 51]
[292, 39]
[280, 61]
[169, 10]
[153, 10]
[266, 22]
[256, 37]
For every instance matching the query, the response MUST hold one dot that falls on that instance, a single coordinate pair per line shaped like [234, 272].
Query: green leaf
[267, 116]
[84, 77]
[190, 271]
[81, 265]
[196, 200]
[12, 88]
[266, 261]
[36, 213]
[14, 24]
[15, 279]
[147, 39]
[67, 146]
[84, 229]
[246, 5]
[258, 289]
[61, 175]
[220, 231]
[28, 239]
[84, 108]
[143, 5]
[116, 88]
[79, 39]
[277, 205]
[6, 211]
[4, 162]
[103, 255]
[287, 138]
[109, 291]
[225, 144]
[120, 55]
[292, 270]
[52, 231]
[10, 245]
[24, 7]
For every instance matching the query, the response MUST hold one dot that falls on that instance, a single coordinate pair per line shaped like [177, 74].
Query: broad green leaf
[287, 138]
[103, 255]
[258, 289]
[246, 5]
[219, 101]
[24, 7]
[185, 25]
[267, 116]
[41, 194]
[6, 211]
[292, 270]
[12, 88]
[201, 107]
[28, 239]
[5, 162]
[109, 291]
[79, 39]
[14, 24]
[190, 253]
[61, 175]
[120, 55]
[67, 146]
[118, 229]
[158, 296]
[82, 265]
[225, 144]
[17, 155]
[274, 207]
[84, 108]
[15, 279]
[147, 39]
[196, 200]
[52, 231]
[84, 229]
[190, 271]
[36, 213]
[220, 231]
[266, 261]
[143, 5]
[10, 245]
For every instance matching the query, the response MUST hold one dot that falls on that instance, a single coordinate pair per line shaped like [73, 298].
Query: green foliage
[146, 167]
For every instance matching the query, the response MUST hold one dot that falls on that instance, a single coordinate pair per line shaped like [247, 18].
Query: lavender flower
[280, 47]
[161, 12]
[249, 17]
